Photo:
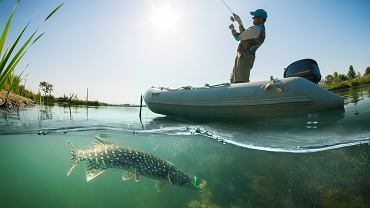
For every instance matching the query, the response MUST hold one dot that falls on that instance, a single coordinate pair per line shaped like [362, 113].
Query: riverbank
[13, 100]
[346, 84]
[72, 102]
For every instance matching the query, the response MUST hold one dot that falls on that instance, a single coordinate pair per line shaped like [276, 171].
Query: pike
[104, 154]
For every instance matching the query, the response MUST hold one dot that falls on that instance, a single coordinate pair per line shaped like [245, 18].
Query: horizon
[120, 49]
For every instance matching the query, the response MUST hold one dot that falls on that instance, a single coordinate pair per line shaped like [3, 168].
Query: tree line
[337, 81]
[72, 99]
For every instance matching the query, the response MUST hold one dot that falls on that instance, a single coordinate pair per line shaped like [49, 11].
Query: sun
[164, 18]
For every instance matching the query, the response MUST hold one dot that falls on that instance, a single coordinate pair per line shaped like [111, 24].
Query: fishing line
[227, 7]
[232, 13]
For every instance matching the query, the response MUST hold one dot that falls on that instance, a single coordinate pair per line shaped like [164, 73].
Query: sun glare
[164, 18]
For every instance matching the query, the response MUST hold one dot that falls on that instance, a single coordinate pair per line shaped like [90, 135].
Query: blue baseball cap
[259, 13]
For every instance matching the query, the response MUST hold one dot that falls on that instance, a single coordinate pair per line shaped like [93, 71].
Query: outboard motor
[306, 68]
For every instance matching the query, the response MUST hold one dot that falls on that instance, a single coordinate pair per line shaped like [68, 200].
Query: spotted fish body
[103, 155]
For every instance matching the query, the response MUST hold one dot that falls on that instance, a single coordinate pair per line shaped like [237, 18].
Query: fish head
[192, 183]
[182, 179]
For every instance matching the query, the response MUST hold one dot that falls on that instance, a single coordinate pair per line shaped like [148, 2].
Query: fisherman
[250, 40]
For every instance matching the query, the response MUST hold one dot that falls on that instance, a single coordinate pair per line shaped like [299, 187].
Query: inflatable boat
[297, 92]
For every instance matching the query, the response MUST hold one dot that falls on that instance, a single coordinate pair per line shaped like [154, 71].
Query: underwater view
[184, 103]
[313, 160]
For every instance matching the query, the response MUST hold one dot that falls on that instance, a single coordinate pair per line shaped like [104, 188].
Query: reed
[13, 81]
[14, 54]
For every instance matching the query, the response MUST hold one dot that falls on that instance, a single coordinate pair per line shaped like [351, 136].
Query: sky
[119, 48]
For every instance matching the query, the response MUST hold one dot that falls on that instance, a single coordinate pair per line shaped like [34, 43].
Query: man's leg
[234, 71]
[246, 64]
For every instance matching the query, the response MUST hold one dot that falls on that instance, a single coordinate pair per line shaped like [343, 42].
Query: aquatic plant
[12, 56]
[13, 80]
[205, 198]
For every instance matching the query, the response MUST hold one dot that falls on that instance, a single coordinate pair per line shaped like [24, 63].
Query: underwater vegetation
[204, 198]
[334, 178]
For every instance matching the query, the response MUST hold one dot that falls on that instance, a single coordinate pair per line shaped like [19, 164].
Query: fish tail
[74, 159]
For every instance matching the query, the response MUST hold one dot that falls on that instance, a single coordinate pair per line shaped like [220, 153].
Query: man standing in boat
[250, 40]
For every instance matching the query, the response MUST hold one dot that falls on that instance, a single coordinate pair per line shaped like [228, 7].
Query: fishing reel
[232, 18]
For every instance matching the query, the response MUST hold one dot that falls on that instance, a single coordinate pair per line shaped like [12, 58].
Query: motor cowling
[306, 68]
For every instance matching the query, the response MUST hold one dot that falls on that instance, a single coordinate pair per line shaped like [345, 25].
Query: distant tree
[351, 73]
[46, 87]
[336, 77]
[339, 77]
[367, 71]
[329, 79]
[342, 77]
[70, 99]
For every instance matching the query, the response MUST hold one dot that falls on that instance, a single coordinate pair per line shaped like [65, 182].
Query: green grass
[51, 100]
[66, 101]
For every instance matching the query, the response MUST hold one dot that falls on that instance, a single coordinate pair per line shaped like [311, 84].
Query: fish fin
[99, 139]
[137, 177]
[93, 170]
[169, 179]
[74, 160]
[159, 185]
[128, 175]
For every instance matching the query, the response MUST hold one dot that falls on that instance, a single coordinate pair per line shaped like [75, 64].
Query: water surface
[313, 160]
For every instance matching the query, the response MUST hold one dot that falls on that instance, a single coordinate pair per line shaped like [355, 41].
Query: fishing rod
[233, 14]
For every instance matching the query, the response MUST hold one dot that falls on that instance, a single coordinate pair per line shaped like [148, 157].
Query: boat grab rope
[218, 85]
[180, 88]
[190, 87]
